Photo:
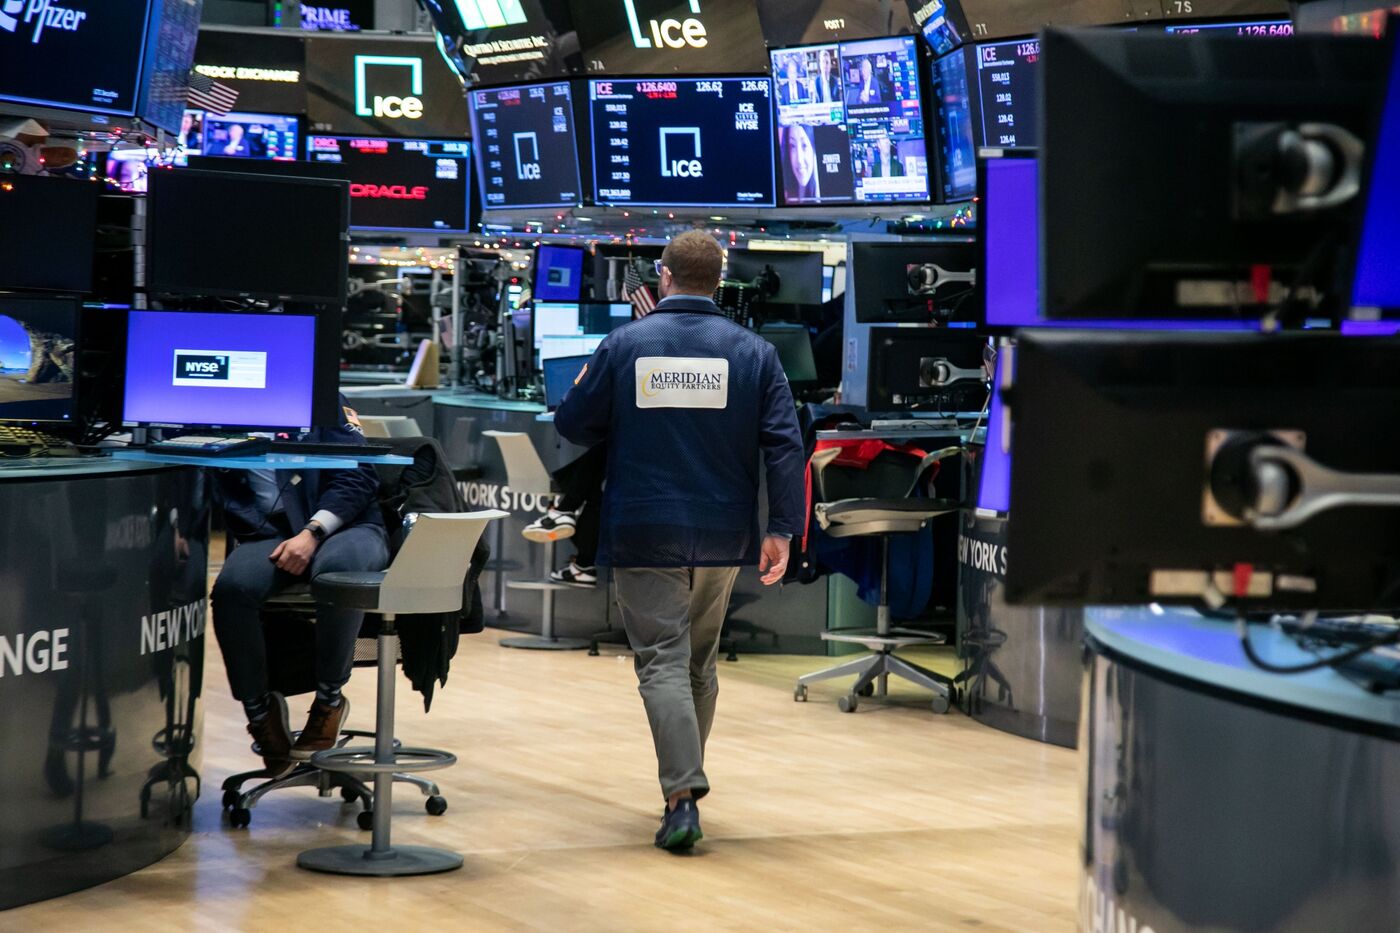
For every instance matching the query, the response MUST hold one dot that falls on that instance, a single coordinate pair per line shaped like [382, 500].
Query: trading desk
[1223, 797]
[103, 568]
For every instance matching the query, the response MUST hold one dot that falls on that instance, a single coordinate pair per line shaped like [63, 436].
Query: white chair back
[390, 426]
[428, 571]
[524, 470]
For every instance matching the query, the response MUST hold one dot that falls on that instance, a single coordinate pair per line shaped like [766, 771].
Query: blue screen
[1011, 230]
[994, 489]
[558, 273]
[1377, 282]
[699, 142]
[559, 376]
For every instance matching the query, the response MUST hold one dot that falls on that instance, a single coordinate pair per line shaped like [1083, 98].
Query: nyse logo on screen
[405, 72]
[667, 33]
[44, 14]
[211, 366]
[677, 166]
[527, 167]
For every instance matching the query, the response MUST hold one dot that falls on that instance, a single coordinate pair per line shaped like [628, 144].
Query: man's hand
[294, 555]
[773, 560]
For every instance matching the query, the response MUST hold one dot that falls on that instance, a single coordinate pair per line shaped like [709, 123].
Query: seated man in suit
[290, 527]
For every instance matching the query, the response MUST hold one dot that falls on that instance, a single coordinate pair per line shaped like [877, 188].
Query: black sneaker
[574, 575]
[554, 526]
[680, 828]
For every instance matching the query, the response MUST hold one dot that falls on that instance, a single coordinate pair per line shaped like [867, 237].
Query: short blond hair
[696, 262]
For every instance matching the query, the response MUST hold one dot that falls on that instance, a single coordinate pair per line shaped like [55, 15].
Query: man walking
[687, 400]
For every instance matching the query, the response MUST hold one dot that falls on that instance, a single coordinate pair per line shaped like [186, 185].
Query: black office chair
[877, 502]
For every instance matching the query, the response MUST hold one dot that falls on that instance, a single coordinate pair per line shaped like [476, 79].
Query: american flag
[208, 94]
[636, 291]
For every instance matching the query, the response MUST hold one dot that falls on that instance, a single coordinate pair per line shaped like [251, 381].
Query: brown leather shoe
[274, 738]
[322, 731]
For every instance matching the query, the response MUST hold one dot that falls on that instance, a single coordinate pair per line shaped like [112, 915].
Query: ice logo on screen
[680, 168]
[527, 169]
[391, 106]
[667, 33]
[44, 14]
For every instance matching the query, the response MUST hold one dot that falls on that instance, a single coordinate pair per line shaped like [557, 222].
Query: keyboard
[1379, 670]
[319, 449]
[199, 446]
[1338, 632]
[15, 439]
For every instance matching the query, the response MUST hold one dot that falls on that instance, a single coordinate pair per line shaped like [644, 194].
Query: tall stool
[526, 474]
[427, 576]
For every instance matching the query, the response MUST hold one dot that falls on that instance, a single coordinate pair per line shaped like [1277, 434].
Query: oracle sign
[393, 192]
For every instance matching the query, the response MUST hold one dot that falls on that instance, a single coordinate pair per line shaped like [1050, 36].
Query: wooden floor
[890, 818]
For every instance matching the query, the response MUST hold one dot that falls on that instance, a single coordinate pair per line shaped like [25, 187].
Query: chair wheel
[435, 805]
[240, 817]
[868, 690]
[941, 704]
[365, 819]
[593, 652]
[847, 703]
[231, 798]
[349, 794]
[800, 694]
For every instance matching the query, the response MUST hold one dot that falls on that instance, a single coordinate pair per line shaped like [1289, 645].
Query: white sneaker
[574, 575]
[554, 526]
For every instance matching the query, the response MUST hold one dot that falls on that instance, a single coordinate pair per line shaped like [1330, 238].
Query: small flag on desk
[636, 291]
[208, 94]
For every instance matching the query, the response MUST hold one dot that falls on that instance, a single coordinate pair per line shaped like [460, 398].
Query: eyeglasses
[658, 266]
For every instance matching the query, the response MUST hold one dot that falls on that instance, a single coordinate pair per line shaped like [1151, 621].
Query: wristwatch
[318, 531]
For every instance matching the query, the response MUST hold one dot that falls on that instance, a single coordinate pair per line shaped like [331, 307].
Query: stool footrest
[537, 585]
[362, 761]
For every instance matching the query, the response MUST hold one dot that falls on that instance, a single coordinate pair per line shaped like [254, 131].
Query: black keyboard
[199, 446]
[1338, 632]
[15, 439]
[319, 449]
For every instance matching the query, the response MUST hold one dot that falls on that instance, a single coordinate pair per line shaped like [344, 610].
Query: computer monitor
[401, 185]
[1008, 254]
[956, 124]
[994, 479]
[929, 369]
[1185, 213]
[799, 273]
[127, 170]
[851, 122]
[1008, 79]
[251, 136]
[1115, 439]
[241, 235]
[48, 227]
[527, 151]
[603, 317]
[558, 273]
[890, 286]
[556, 319]
[196, 369]
[794, 345]
[1254, 29]
[88, 60]
[560, 373]
[682, 142]
[559, 346]
[1376, 283]
[38, 359]
[298, 168]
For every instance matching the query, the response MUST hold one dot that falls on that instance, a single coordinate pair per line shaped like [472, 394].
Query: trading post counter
[1197, 760]
[102, 636]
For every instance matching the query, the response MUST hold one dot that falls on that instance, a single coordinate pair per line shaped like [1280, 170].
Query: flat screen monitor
[937, 27]
[560, 373]
[301, 168]
[251, 136]
[799, 273]
[527, 152]
[850, 122]
[214, 370]
[683, 142]
[1204, 238]
[881, 274]
[1008, 235]
[580, 345]
[126, 170]
[38, 364]
[171, 39]
[994, 481]
[1271, 28]
[1008, 78]
[84, 55]
[238, 235]
[47, 231]
[956, 122]
[556, 319]
[1377, 283]
[558, 273]
[794, 345]
[401, 185]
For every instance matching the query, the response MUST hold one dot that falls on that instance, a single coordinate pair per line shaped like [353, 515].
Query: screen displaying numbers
[527, 155]
[1007, 76]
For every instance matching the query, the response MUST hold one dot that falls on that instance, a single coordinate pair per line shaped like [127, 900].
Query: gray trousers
[673, 618]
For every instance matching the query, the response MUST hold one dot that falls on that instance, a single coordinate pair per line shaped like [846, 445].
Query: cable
[1351, 654]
